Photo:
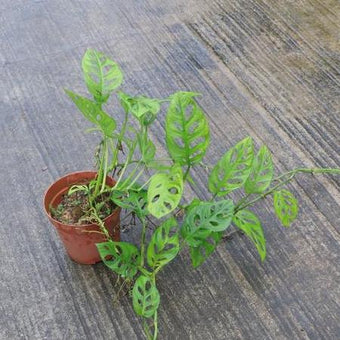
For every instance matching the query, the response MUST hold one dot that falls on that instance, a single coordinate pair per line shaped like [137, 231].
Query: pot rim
[75, 225]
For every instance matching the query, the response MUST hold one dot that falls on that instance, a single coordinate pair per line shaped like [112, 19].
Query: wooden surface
[267, 68]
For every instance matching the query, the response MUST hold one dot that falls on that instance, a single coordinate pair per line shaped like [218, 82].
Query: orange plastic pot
[80, 240]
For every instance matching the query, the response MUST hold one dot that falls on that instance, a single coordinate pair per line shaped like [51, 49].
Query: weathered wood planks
[265, 68]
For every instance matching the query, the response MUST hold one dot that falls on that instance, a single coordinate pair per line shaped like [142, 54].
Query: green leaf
[147, 148]
[165, 192]
[145, 297]
[163, 246]
[101, 74]
[249, 223]
[261, 173]
[285, 206]
[132, 200]
[194, 203]
[206, 247]
[187, 129]
[205, 218]
[233, 169]
[143, 108]
[121, 257]
[93, 113]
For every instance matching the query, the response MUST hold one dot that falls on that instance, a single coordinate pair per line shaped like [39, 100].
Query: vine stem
[186, 173]
[147, 331]
[289, 176]
[311, 171]
[213, 197]
[155, 324]
[106, 158]
[142, 246]
[100, 173]
[134, 180]
[101, 224]
[120, 137]
[155, 317]
[127, 162]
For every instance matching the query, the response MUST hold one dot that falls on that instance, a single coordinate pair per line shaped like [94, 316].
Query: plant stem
[99, 174]
[289, 176]
[113, 164]
[243, 199]
[155, 317]
[240, 207]
[146, 183]
[335, 171]
[155, 324]
[144, 271]
[146, 330]
[119, 141]
[126, 181]
[127, 162]
[101, 224]
[135, 179]
[213, 197]
[142, 246]
[137, 161]
[106, 158]
[186, 173]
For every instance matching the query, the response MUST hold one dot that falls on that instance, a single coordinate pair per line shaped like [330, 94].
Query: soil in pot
[75, 208]
[80, 238]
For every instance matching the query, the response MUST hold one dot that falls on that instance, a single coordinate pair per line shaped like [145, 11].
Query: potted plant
[151, 188]
[79, 204]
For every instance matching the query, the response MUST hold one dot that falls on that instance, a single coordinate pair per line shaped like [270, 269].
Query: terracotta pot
[80, 244]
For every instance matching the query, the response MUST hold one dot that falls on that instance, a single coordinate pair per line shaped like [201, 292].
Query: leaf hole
[197, 220]
[177, 126]
[168, 246]
[179, 142]
[197, 142]
[167, 205]
[94, 77]
[155, 199]
[193, 127]
[173, 190]
[107, 69]
[233, 156]
[188, 112]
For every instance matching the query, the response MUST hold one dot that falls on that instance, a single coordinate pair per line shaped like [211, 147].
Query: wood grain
[265, 68]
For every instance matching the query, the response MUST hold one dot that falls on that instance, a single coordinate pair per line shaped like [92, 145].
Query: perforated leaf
[285, 206]
[165, 192]
[101, 74]
[145, 297]
[164, 244]
[249, 223]
[143, 108]
[93, 113]
[206, 247]
[205, 218]
[195, 202]
[233, 169]
[261, 173]
[187, 129]
[121, 257]
[132, 200]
